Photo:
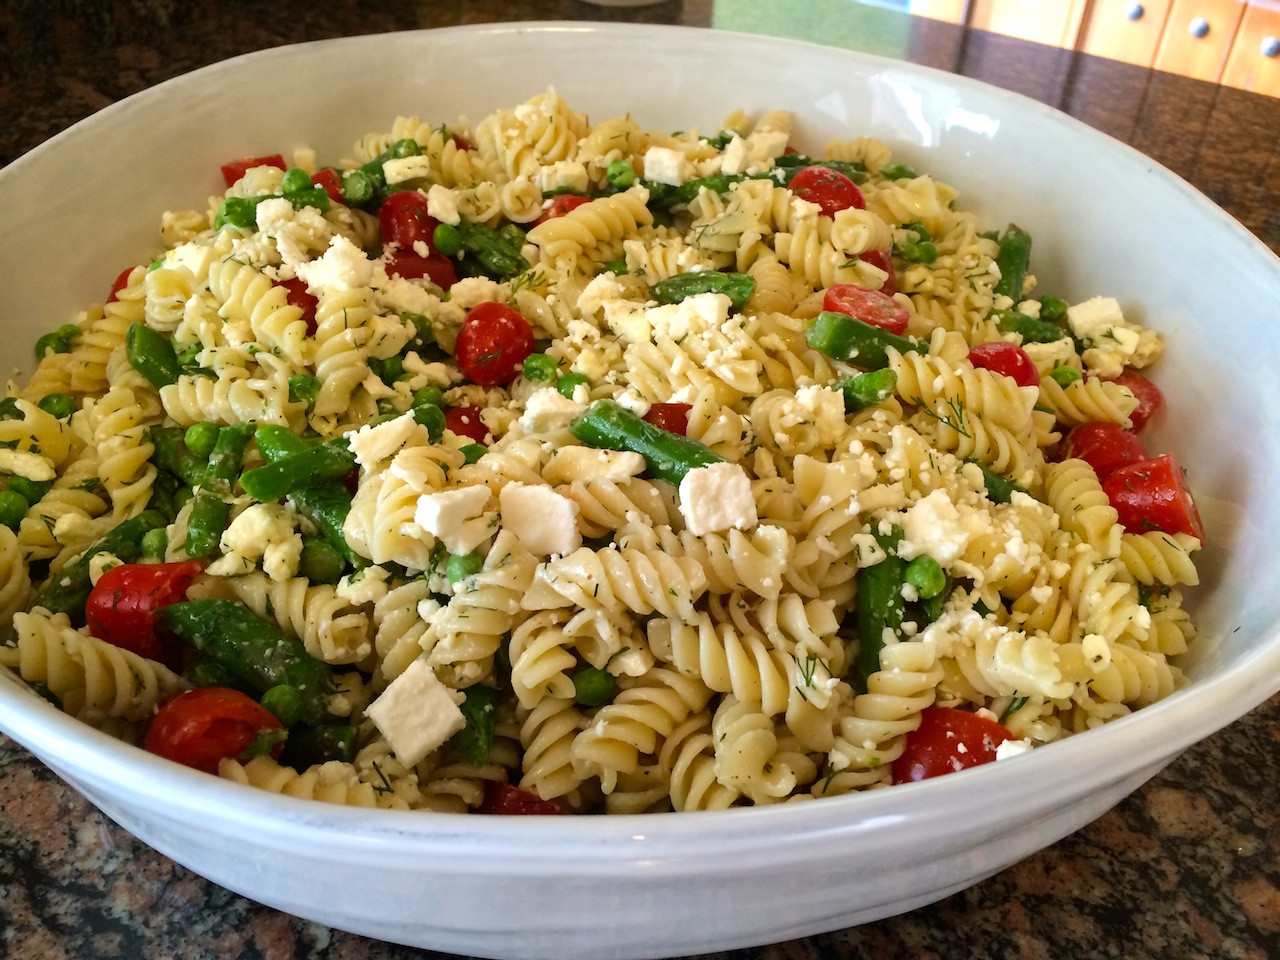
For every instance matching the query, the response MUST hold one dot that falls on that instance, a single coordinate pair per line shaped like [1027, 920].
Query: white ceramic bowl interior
[1106, 220]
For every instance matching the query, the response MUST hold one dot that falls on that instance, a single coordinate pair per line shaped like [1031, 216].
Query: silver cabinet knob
[1270, 46]
[1199, 28]
[1134, 11]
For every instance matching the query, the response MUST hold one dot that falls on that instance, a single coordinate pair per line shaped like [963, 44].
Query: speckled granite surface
[1189, 866]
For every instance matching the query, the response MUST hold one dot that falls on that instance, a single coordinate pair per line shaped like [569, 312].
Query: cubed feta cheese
[544, 521]
[417, 713]
[469, 291]
[27, 464]
[699, 313]
[443, 204]
[664, 165]
[261, 532]
[717, 498]
[344, 266]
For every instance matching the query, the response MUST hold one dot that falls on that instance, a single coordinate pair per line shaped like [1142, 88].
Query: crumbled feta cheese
[417, 713]
[935, 526]
[344, 266]
[586, 463]
[261, 532]
[456, 517]
[443, 204]
[664, 165]
[374, 443]
[547, 409]
[602, 289]
[755, 153]
[1111, 341]
[27, 464]
[717, 498]
[696, 314]
[196, 257]
[570, 174]
[545, 522]
[1012, 748]
[469, 291]
[364, 586]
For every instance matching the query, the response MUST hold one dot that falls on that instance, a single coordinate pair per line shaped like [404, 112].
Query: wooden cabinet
[1198, 37]
[1127, 30]
[1254, 63]
[1052, 22]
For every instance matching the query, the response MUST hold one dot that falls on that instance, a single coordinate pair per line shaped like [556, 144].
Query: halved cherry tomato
[504, 799]
[1150, 399]
[562, 204]
[461, 142]
[869, 306]
[297, 295]
[881, 259]
[1008, 359]
[466, 422]
[1151, 495]
[120, 283]
[332, 183]
[436, 267]
[199, 728]
[122, 606]
[672, 417]
[492, 344]
[231, 172]
[1104, 446]
[405, 219]
[946, 741]
[830, 189]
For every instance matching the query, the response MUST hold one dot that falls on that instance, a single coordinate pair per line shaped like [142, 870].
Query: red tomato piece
[120, 283]
[506, 800]
[1008, 359]
[492, 344]
[461, 142]
[435, 267]
[1104, 446]
[297, 295]
[869, 306]
[122, 606]
[881, 259]
[1151, 495]
[466, 422]
[562, 204]
[672, 417]
[830, 189]
[332, 183]
[946, 741]
[231, 172]
[199, 728]
[405, 219]
[351, 480]
[1150, 399]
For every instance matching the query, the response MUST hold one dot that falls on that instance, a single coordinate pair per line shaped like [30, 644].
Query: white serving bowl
[1105, 219]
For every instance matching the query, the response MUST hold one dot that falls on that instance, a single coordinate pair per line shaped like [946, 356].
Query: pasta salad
[539, 465]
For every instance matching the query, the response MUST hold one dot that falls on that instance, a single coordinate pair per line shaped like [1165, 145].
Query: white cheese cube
[717, 498]
[544, 521]
[417, 713]
[455, 517]
[443, 204]
[664, 165]
[1093, 318]
[547, 409]
[344, 266]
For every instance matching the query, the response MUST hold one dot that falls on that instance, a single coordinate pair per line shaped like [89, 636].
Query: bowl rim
[1173, 723]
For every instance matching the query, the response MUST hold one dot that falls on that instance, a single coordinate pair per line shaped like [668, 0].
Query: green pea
[1052, 308]
[1065, 376]
[620, 173]
[473, 451]
[898, 171]
[285, 702]
[447, 239]
[391, 369]
[614, 266]
[303, 389]
[407, 147]
[927, 576]
[32, 490]
[51, 342]
[321, 562]
[60, 405]
[237, 211]
[200, 438]
[428, 394]
[155, 543]
[13, 507]
[570, 382]
[295, 180]
[68, 331]
[460, 566]
[592, 687]
[357, 187]
[540, 367]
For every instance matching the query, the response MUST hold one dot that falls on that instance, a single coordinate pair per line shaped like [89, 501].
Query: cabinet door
[1198, 36]
[950, 10]
[1052, 22]
[1127, 30]
[1254, 63]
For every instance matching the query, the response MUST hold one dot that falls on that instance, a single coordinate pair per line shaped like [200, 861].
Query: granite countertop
[1188, 866]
